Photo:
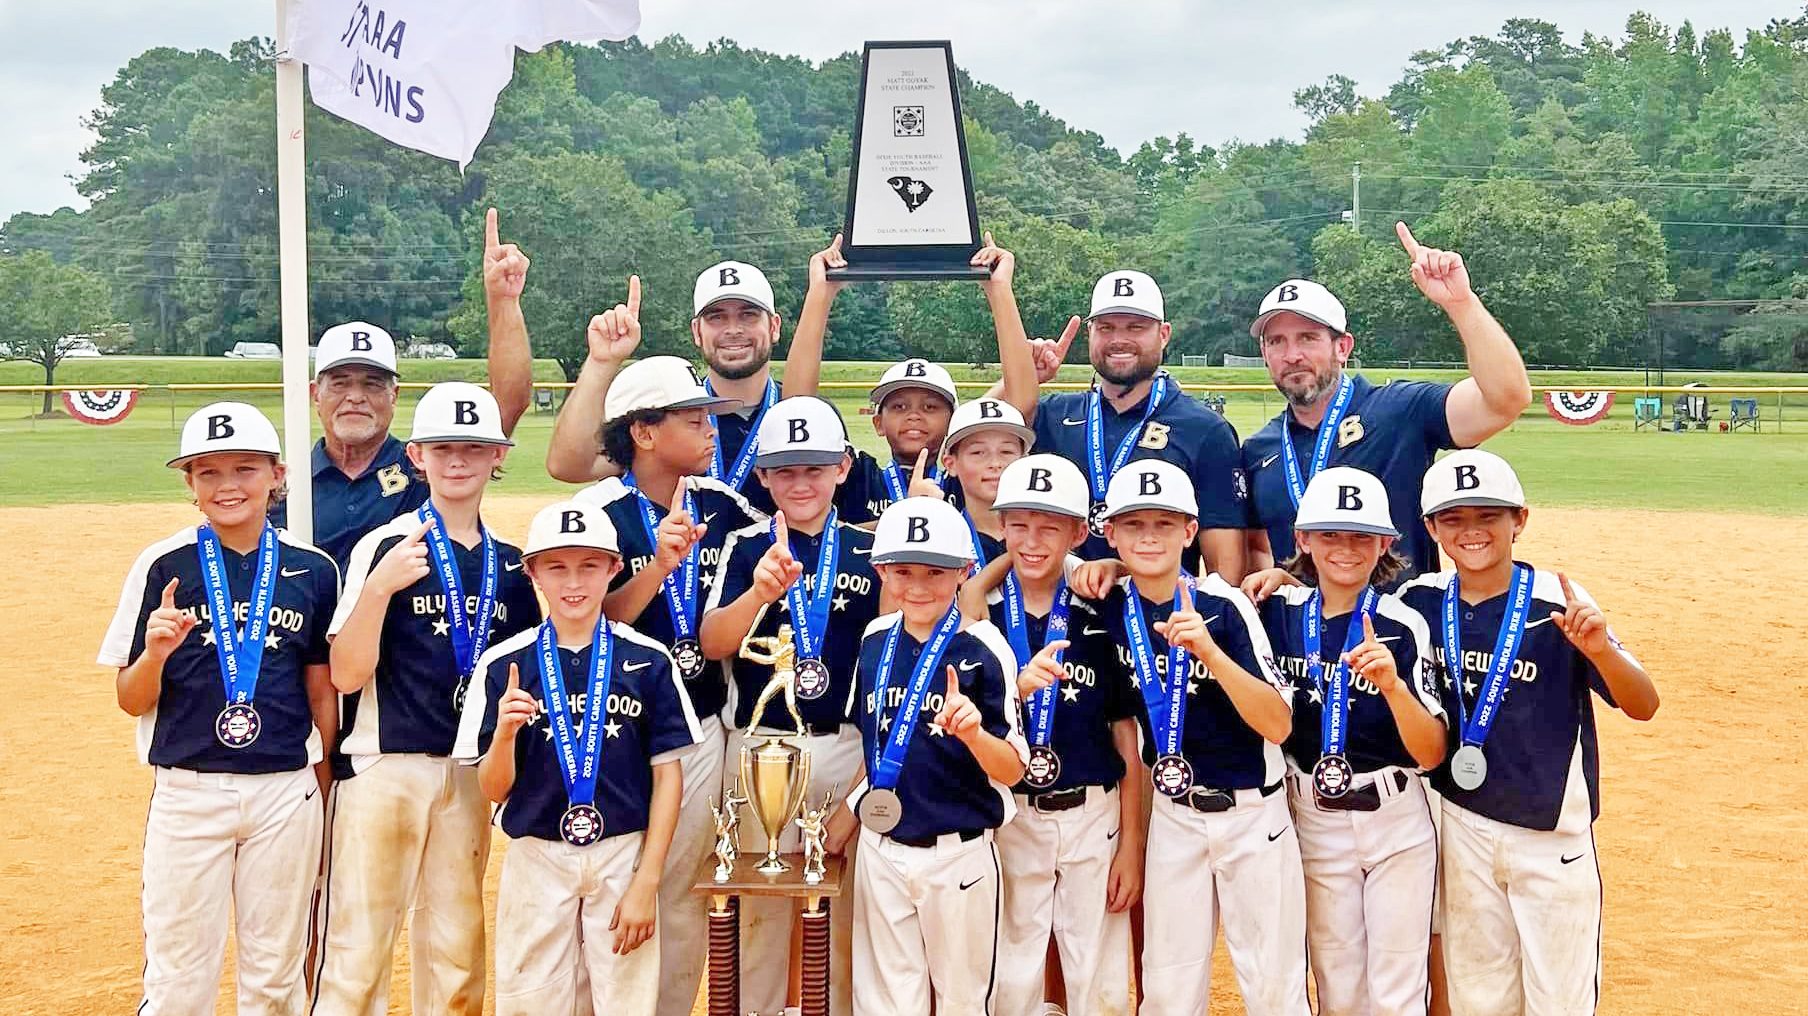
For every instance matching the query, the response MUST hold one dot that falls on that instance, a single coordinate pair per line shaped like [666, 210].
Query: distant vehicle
[255, 351]
[429, 351]
[80, 349]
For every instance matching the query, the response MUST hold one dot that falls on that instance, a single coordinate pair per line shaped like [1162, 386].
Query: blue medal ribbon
[736, 474]
[1167, 706]
[1334, 726]
[1321, 449]
[888, 755]
[1040, 707]
[578, 761]
[468, 640]
[897, 487]
[810, 617]
[1475, 728]
[241, 652]
[680, 585]
[979, 545]
[1098, 475]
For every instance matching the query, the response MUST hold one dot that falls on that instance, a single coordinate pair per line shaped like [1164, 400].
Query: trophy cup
[774, 773]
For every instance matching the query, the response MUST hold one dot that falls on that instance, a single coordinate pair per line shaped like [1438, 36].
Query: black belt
[1362, 798]
[1057, 800]
[1214, 801]
[929, 841]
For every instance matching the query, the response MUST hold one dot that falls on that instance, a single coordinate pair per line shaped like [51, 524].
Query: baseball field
[1691, 542]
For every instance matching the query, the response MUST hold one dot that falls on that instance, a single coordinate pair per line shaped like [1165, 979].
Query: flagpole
[292, 271]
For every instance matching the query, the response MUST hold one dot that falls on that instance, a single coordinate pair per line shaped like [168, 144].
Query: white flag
[425, 73]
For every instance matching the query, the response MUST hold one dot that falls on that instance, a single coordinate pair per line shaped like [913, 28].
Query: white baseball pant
[1057, 872]
[553, 908]
[767, 924]
[410, 837]
[1241, 867]
[1370, 878]
[684, 915]
[224, 850]
[926, 920]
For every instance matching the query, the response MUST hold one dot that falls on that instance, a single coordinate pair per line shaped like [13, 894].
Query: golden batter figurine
[779, 653]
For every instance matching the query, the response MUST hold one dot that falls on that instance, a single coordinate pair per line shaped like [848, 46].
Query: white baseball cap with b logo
[732, 280]
[800, 431]
[1151, 483]
[1043, 483]
[355, 344]
[458, 412]
[226, 427]
[1344, 499]
[567, 524]
[923, 530]
[1306, 298]
[1470, 477]
[915, 372]
[1127, 292]
[986, 414]
[660, 382]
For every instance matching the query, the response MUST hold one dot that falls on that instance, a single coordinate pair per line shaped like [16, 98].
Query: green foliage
[47, 305]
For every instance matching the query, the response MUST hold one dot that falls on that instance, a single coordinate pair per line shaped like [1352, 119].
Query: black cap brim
[798, 457]
[923, 557]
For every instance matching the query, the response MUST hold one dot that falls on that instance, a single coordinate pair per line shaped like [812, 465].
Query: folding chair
[542, 400]
[1647, 411]
[1689, 412]
[1745, 414]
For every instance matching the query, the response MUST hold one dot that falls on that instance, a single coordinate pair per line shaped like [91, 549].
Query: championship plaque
[910, 211]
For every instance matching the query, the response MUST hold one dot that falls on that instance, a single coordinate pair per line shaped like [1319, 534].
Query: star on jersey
[1468, 686]
[1314, 694]
[1070, 694]
[442, 627]
[884, 723]
[935, 730]
[611, 729]
[272, 641]
[1192, 687]
[839, 603]
[207, 637]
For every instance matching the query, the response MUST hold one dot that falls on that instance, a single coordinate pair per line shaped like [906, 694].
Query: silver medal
[812, 679]
[1044, 768]
[688, 655]
[1095, 519]
[880, 810]
[238, 725]
[1332, 776]
[1469, 767]
[1172, 775]
[581, 825]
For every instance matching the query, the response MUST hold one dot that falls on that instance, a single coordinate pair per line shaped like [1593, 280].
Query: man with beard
[1133, 411]
[1393, 430]
[734, 324]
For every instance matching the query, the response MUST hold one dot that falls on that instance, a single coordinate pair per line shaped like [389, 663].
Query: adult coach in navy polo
[1134, 410]
[1395, 430]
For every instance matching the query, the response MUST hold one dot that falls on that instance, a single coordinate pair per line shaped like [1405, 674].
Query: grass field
[1607, 464]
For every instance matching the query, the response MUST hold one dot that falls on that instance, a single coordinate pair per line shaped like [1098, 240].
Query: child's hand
[1185, 628]
[1373, 661]
[777, 568]
[823, 260]
[1002, 262]
[1582, 623]
[841, 828]
[676, 535]
[166, 626]
[1124, 885]
[920, 483]
[634, 917]
[402, 565]
[1049, 353]
[516, 708]
[1259, 586]
[1093, 580]
[959, 715]
[1042, 670]
[614, 335]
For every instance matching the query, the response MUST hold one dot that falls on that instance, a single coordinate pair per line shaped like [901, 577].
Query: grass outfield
[1607, 464]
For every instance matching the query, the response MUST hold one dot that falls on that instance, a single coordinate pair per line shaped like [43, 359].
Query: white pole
[292, 262]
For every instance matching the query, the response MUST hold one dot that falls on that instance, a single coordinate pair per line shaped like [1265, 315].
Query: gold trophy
[775, 773]
[814, 824]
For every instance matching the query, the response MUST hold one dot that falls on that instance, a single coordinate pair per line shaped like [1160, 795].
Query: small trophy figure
[728, 824]
[780, 653]
[813, 822]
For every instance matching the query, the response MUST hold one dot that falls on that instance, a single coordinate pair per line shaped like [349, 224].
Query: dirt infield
[1700, 840]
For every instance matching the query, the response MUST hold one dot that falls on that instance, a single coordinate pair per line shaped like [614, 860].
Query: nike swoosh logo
[512, 567]
[287, 574]
[968, 885]
[1112, 835]
[631, 667]
[1546, 619]
[1214, 617]
[1570, 860]
[1092, 631]
[309, 796]
[1073, 423]
[1387, 638]
[969, 665]
[1269, 461]
[1277, 834]
[862, 551]
[709, 517]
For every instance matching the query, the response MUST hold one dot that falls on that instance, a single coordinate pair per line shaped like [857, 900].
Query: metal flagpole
[292, 262]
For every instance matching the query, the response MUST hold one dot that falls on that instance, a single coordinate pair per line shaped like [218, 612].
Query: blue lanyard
[737, 474]
[810, 617]
[888, 754]
[1334, 728]
[1321, 449]
[1167, 707]
[1040, 707]
[579, 764]
[1097, 474]
[896, 487]
[241, 654]
[979, 544]
[679, 586]
[468, 641]
[1475, 728]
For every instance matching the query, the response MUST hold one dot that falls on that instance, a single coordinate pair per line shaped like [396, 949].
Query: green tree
[48, 308]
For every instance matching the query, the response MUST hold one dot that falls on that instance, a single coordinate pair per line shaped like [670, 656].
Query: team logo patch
[1349, 431]
[911, 191]
[392, 480]
[1578, 409]
[101, 406]
[1155, 436]
[907, 121]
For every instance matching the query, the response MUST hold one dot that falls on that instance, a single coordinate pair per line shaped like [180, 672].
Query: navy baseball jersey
[943, 788]
[854, 605]
[347, 507]
[1546, 722]
[647, 721]
[719, 508]
[863, 496]
[1181, 430]
[1393, 430]
[1224, 751]
[733, 431]
[1095, 693]
[412, 702]
[179, 730]
[1373, 741]
[989, 548]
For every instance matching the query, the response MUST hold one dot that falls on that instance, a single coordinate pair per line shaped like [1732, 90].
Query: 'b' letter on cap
[464, 413]
[1349, 499]
[219, 427]
[1288, 293]
[1041, 480]
[1466, 478]
[361, 342]
[800, 431]
[571, 522]
[1121, 287]
[728, 277]
[989, 410]
[1148, 485]
[918, 532]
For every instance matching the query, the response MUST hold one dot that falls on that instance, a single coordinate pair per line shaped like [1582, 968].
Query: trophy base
[909, 272]
[772, 866]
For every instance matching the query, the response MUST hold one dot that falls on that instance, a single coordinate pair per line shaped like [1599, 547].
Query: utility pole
[1356, 198]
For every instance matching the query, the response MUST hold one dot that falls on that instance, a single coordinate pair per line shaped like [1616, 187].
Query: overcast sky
[1128, 70]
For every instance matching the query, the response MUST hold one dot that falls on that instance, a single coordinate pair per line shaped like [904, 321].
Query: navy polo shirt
[1224, 751]
[854, 605]
[648, 721]
[1545, 715]
[863, 496]
[1095, 693]
[1394, 431]
[1373, 740]
[346, 507]
[179, 730]
[943, 787]
[1181, 431]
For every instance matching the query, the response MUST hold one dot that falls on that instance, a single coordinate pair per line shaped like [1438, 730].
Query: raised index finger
[678, 493]
[1053, 647]
[491, 238]
[922, 463]
[1406, 239]
[419, 534]
[1569, 595]
[1184, 593]
[514, 677]
[634, 295]
[1368, 629]
[781, 534]
[169, 592]
[1067, 336]
[953, 685]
